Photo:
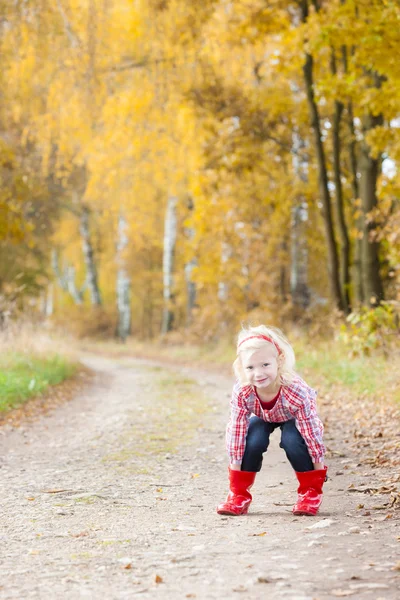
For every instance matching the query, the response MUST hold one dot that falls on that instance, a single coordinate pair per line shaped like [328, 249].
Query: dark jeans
[257, 442]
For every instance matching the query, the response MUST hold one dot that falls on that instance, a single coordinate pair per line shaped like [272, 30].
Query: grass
[23, 376]
[364, 376]
[355, 373]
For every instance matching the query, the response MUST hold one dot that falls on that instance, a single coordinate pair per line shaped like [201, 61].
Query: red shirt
[270, 404]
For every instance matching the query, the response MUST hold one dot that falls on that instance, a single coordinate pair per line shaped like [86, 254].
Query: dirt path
[98, 502]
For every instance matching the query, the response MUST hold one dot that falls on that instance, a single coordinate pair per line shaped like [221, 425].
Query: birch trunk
[123, 283]
[91, 271]
[190, 290]
[49, 301]
[223, 288]
[189, 266]
[170, 229]
[299, 289]
[46, 301]
[66, 279]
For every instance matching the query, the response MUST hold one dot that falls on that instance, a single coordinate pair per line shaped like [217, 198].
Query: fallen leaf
[128, 566]
[257, 534]
[354, 529]
[31, 498]
[240, 588]
[369, 586]
[158, 579]
[194, 475]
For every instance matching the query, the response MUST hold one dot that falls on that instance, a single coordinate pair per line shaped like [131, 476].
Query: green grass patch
[355, 373]
[365, 376]
[24, 376]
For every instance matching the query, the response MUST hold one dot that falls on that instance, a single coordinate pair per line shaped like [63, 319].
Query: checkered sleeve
[308, 422]
[236, 430]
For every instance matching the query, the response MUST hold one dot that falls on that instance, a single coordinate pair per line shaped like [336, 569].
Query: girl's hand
[235, 467]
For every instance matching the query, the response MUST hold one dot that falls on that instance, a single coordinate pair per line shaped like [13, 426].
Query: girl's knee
[291, 439]
[258, 433]
[256, 447]
[257, 440]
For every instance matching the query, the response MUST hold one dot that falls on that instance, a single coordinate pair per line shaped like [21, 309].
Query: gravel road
[113, 496]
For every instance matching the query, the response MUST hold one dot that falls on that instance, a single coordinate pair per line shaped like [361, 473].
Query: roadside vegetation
[31, 361]
[23, 376]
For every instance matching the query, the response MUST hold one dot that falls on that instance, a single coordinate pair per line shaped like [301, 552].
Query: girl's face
[261, 366]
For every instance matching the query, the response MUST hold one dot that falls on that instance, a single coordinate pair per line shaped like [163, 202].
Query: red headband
[263, 337]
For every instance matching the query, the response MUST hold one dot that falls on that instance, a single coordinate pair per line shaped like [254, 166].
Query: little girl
[268, 388]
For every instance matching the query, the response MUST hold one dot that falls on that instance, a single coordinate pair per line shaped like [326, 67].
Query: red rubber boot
[239, 497]
[310, 491]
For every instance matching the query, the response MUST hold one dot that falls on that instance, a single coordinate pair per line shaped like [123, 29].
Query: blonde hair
[254, 338]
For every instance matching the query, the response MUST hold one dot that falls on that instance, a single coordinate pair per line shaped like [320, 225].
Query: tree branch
[141, 64]
[73, 38]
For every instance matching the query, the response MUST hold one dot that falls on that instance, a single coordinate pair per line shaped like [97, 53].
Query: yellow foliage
[122, 104]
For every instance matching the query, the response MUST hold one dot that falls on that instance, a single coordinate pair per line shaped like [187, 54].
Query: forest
[185, 165]
[172, 171]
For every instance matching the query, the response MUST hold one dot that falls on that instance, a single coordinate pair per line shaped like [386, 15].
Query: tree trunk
[91, 271]
[191, 290]
[170, 229]
[359, 297]
[223, 288]
[299, 290]
[357, 266]
[123, 283]
[369, 171]
[66, 279]
[333, 263]
[49, 301]
[341, 221]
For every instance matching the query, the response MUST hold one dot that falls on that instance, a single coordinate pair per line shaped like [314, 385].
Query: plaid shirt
[296, 400]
